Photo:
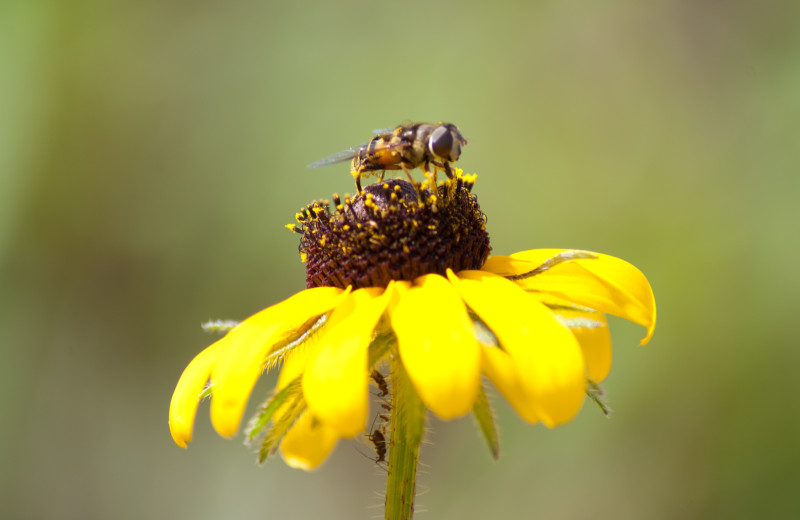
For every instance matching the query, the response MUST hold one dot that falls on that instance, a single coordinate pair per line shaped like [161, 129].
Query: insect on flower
[380, 381]
[402, 293]
[404, 148]
[378, 440]
[377, 435]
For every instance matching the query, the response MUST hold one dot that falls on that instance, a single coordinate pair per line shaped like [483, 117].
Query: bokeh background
[152, 151]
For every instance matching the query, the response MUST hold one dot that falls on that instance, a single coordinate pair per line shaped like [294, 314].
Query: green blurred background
[151, 152]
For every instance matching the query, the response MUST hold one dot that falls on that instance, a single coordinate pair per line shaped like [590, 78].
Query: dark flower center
[392, 231]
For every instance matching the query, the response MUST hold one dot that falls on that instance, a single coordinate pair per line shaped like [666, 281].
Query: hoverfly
[404, 148]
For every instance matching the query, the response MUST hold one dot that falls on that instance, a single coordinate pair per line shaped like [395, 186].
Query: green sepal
[382, 342]
[269, 446]
[219, 325]
[260, 420]
[207, 391]
[560, 258]
[290, 399]
[293, 339]
[485, 417]
[597, 394]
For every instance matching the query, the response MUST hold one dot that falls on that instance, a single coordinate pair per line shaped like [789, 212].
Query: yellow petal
[437, 346]
[235, 372]
[183, 407]
[508, 266]
[501, 370]
[593, 337]
[293, 366]
[516, 263]
[546, 356]
[605, 283]
[399, 289]
[308, 443]
[296, 361]
[336, 383]
[589, 327]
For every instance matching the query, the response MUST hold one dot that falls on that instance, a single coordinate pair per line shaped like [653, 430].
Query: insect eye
[441, 144]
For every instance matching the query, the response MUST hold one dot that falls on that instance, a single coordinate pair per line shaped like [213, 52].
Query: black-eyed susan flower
[400, 277]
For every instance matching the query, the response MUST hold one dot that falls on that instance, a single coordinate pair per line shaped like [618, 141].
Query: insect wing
[350, 153]
[344, 155]
[400, 127]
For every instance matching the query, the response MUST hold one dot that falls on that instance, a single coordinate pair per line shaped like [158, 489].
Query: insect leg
[410, 178]
[434, 175]
[448, 171]
[358, 182]
[413, 182]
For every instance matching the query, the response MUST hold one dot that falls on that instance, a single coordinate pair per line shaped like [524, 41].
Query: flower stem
[407, 423]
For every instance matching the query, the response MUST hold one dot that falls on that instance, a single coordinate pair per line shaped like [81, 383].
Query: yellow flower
[533, 323]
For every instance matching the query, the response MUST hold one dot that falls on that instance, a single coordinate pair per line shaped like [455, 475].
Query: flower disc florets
[393, 231]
